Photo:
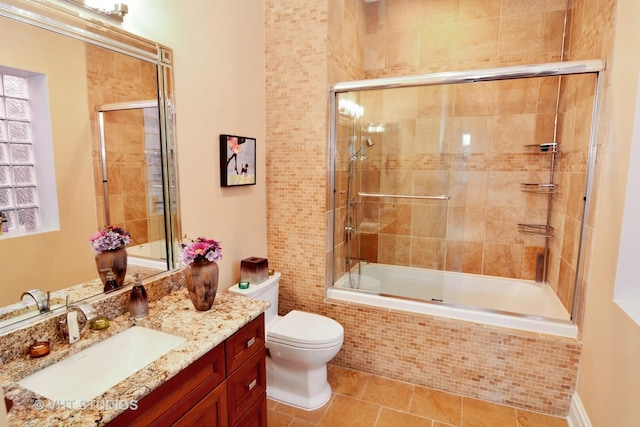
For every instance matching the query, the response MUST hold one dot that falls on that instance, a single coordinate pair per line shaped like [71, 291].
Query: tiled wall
[113, 77]
[309, 47]
[409, 37]
[591, 33]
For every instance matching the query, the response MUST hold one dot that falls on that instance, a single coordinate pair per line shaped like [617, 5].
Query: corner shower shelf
[547, 147]
[538, 187]
[537, 229]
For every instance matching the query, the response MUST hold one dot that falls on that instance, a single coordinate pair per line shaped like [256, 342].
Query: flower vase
[202, 283]
[116, 261]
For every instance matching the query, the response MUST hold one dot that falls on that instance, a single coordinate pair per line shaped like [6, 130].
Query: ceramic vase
[202, 283]
[116, 261]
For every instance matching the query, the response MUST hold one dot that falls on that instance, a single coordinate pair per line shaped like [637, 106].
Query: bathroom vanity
[225, 387]
[217, 374]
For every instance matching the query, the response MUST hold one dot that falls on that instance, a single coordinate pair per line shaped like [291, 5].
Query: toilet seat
[306, 330]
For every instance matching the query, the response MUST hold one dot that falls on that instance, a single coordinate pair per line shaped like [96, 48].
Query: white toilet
[299, 346]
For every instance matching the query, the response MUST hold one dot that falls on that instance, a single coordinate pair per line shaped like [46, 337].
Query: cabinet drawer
[246, 386]
[244, 343]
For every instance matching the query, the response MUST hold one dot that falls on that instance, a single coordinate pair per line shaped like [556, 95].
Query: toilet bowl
[299, 345]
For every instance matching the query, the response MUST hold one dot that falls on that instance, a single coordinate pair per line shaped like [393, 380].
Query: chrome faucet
[42, 300]
[87, 311]
[69, 327]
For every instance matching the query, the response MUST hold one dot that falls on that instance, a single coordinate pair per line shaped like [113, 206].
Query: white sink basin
[91, 372]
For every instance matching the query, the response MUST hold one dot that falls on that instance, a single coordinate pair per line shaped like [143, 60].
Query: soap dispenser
[138, 300]
[110, 283]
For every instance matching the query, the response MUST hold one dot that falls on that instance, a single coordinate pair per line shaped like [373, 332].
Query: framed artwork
[237, 160]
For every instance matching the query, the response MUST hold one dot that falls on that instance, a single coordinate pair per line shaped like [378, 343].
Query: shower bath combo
[427, 181]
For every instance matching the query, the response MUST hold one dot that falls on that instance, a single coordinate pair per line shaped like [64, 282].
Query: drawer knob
[252, 384]
[251, 342]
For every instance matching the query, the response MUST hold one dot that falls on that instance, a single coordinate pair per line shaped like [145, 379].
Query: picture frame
[237, 160]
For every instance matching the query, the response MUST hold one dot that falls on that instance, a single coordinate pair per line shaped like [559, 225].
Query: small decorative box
[254, 270]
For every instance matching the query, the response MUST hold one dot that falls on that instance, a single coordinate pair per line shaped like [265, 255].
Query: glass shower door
[393, 166]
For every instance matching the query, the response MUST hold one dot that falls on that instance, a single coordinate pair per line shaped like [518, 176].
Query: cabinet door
[256, 416]
[211, 411]
[246, 386]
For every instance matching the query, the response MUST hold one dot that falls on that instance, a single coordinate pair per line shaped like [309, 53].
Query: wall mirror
[106, 113]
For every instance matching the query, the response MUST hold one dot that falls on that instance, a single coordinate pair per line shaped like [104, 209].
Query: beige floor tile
[347, 381]
[345, 411]
[437, 405]
[478, 413]
[386, 392]
[278, 419]
[301, 414]
[301, 423]
[533, 419]
[364, 400]
[392, 418]
[272, 404]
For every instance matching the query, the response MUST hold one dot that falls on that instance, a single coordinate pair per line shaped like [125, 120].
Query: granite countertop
[174, 314]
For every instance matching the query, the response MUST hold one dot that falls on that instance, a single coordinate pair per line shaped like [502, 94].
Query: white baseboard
[577, 415]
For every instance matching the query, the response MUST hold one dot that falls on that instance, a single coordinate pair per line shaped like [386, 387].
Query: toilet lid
[305, 328]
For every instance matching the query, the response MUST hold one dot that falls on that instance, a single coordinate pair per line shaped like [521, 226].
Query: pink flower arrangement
[110, 238]
[201, 249]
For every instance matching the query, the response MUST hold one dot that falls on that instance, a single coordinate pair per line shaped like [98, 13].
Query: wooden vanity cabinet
[225, 387]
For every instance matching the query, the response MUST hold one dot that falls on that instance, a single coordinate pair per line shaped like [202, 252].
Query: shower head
[367, 142]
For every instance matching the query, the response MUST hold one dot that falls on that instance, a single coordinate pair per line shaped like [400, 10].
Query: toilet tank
[267, 291]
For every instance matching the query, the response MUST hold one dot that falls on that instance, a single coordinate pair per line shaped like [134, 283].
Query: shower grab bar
[404, 196]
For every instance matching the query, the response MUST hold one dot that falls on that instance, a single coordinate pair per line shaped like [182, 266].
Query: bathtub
[149, 255]
[497, 301]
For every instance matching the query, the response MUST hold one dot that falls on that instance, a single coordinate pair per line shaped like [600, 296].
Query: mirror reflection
[108, 137]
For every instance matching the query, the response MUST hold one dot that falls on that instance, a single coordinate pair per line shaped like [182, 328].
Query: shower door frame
[595, 66]
[169, 200]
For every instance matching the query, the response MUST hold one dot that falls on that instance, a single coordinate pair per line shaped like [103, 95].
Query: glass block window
[18, 186]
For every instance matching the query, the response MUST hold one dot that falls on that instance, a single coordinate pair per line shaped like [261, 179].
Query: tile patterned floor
[364, 400]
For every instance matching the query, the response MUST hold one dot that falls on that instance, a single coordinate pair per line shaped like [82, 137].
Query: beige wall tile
[517, 96]
[394, 249]
[427, 253]
[502, 260]
[375, 51]
[436, 42]
[469, 9]
[466, 257]
[510, 133]
[403, 48]
[520, 34]
[395, 218]
[478, 39]
[474, 100]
